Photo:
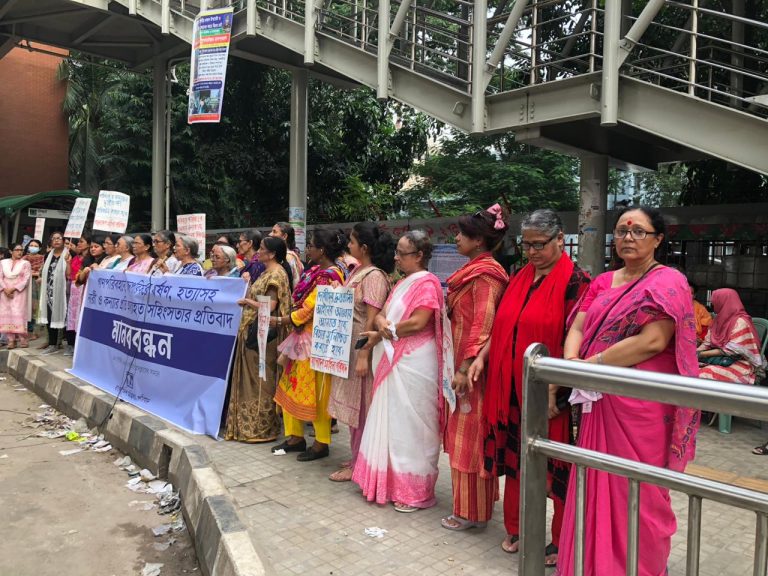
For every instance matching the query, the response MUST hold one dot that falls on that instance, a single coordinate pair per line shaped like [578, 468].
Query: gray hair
[543, 220]
[128, 242]
[190, 244]
[229, 253]
[421, 242]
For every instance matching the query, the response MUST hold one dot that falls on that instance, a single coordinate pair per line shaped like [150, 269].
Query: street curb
[222, 543]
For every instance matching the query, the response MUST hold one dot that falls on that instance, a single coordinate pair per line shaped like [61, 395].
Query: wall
[33, 132]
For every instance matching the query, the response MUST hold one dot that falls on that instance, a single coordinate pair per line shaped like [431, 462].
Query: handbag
[719, 360]
[252, 338]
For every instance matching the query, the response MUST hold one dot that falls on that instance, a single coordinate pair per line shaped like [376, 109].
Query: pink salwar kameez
[658, 434]
[14, 311]
[400, 447]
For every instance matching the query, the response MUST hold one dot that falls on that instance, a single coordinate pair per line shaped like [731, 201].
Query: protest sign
[208, 68]
[193, 225]
[39, 229]
[332, 330]
[445, 261]
[163, 344]
[297, 219]
[263, 319]
[77, 218]
[112, 212]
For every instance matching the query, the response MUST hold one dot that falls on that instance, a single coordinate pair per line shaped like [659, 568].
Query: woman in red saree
[534, 309]
[474, 292]
[639, 316]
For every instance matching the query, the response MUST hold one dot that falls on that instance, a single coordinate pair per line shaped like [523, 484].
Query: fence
[539, 371]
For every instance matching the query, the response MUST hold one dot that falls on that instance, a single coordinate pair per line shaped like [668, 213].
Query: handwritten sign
[193, 225]
[77, 218]
[112, 212]
[263, 319]
[39, 228]
[332, 330]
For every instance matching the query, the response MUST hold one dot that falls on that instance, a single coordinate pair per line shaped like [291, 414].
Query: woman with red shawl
[474, 292]
[534, 308]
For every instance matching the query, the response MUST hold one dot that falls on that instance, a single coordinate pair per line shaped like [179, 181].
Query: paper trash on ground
[70, 452]
[375, 532]
[151, 569]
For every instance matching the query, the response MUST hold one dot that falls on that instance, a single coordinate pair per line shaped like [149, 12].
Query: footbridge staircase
[643, 82]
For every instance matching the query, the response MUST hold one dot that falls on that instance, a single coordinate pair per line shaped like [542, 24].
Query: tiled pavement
[301, 523]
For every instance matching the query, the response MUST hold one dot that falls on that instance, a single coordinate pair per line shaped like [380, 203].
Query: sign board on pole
[39, 228]
[48, 213]
[332, 330]
[193, 225]
[112, 212]
[77, 218]
[210, 50]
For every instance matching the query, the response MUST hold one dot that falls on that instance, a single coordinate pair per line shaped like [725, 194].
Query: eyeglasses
[159, 242]
[401, 254]
[537, 246]
[636, 233]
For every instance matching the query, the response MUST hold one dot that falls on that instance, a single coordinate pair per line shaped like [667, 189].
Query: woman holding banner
[302, 392]
[252, 415]
[74, 266]
[351, 396]
[186, 252]
[142, 254]
[53, 291]
[400, 446]
[124, 249]
[15, 275]
[110, 251]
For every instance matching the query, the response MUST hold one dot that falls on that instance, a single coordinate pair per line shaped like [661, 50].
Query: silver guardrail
[539, 371]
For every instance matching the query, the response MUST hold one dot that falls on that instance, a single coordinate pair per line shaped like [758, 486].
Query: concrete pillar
[158, 143]
[592, 209]
[297, 166]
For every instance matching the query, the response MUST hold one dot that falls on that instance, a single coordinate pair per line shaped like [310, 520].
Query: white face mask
[34, 249]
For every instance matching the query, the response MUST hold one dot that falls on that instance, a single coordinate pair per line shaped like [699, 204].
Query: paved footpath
[302, 523]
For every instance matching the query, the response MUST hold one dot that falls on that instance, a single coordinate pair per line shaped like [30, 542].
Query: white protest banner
[208, 68]
[193, 225]
[39, 228]
[445, 261]
[297, 218]
[263, 319]
[112, 212]
[77, 218]
[332, 331]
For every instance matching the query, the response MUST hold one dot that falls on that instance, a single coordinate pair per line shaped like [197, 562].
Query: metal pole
[165, 16]
[533, 479]
[309, 32]
[592, 211]
[610, 88]
[534, 42]
[633, 526]
[297, 187]
[158, 145]
[761, 545]
[737, 56]
[504, 37]
[168, 116]
[694, 536]
[581, 497]
[694, 48]
[637, 30]
[382, 60]
[15, 237]
[479, 47]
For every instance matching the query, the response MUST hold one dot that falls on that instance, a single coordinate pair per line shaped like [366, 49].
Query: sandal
[510, 544]
[549, 551]
[761, 450]
[458, 524]
[343, 474]
[405, 508]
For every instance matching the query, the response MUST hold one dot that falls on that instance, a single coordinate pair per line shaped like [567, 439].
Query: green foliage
[469, 173]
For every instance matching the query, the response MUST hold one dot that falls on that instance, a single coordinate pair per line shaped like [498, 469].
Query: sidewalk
[301, 523]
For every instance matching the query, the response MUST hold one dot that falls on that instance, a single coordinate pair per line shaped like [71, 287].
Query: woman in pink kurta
[639, 316]
[14, 298]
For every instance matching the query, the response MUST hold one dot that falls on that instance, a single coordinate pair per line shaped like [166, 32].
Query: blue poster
[164, 344]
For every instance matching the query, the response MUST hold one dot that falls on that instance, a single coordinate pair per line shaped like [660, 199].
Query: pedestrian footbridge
[677, 80]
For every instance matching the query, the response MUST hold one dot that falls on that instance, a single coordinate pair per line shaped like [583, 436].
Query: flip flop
[405, 508]
[462, 523]
[513, 540]
[550, 550]
[761, 450]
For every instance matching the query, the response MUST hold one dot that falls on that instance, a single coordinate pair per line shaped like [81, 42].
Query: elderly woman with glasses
[186, 252]
[534, 308]
[164, 242]
[223, 262]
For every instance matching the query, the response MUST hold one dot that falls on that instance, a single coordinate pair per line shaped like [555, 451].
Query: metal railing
[540, 370]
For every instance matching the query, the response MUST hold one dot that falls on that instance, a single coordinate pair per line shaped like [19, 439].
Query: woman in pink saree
[638, 316]
[400, 447]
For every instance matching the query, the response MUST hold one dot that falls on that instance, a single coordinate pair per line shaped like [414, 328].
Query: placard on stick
[112, 212]
[332, 330]
[193, 225]
[39, 229]
[77, 218]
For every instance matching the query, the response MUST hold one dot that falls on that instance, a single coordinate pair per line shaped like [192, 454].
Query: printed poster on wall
[193, 225]
[77, 218]
[208, 68]
[332, 330]
[163, 344]
[112, 210]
